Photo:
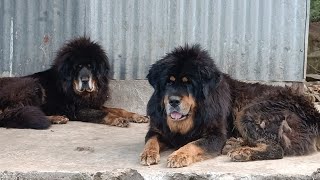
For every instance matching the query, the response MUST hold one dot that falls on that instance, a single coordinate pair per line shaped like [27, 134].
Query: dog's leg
[195, 151]
[151, 151]
[58, 119]
[262, 131]
[261, 151]
[132, 117]
[101, 117]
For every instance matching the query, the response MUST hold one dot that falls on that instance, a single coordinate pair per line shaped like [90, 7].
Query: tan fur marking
[189, 100]
[172, 78]
[94, 84]
[166, 100]
[260, 147]
[151, 152]
[283, 130]
[239, 125]
[186, 155]
[76, 86]
[181, 127]
[185, 79]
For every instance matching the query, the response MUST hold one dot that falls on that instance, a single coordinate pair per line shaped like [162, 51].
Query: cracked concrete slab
[88, 151]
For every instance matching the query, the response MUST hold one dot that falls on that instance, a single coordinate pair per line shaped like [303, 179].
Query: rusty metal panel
[31, 31]
[254, 40]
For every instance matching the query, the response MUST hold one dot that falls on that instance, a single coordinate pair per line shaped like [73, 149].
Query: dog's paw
[139, 119]
[120, 122]
[149, 157]
[179, 159]
[241, 154]
[58, 119]
[231, 144]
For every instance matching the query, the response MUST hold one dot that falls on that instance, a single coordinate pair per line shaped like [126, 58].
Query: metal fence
[262, 40]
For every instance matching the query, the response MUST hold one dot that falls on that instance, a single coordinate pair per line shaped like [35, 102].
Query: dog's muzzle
[175, 110]
[85, 82]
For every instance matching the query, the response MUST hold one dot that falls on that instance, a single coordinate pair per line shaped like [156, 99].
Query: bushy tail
[27, 117]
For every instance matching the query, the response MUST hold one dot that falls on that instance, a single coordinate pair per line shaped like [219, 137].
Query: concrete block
[131, 95]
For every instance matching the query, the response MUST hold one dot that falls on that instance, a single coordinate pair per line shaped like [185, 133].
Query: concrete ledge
[133, 95]
[130, 174]
[125, 174]
[92, 151]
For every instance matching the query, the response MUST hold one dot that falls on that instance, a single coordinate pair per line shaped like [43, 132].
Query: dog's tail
[27, 117]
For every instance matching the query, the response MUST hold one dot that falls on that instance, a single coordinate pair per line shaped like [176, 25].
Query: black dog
[75, 88]
[195, 108]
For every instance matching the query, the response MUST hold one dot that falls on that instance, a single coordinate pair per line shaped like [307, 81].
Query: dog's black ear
[104, 68]
[211, 83]
[154, 75]
[63, 67]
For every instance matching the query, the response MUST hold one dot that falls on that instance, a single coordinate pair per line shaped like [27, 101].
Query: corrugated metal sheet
[250, 39]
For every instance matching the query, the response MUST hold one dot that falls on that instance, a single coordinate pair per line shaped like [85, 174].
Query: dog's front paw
[149, 157]
[231, 144]
[240, 154]
[120, 122]
[139, 119]
[58, 119]
[179, 159]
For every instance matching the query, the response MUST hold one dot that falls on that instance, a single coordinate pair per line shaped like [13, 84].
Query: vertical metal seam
[306, 35]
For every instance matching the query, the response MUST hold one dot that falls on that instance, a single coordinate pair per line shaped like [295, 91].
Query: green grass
[314, 10]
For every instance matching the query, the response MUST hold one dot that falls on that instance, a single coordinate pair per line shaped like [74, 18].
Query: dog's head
[82, 67]
[183, 79]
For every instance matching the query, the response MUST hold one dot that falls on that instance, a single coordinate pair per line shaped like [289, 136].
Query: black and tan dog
[195, 108]
[75, 88]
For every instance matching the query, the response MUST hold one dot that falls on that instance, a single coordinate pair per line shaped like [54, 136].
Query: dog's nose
[174, 101]
[85, 79]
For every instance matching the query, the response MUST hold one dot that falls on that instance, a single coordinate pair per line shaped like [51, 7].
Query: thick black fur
[57, 81]
[20, 99]
[278, 117]
[53, 92]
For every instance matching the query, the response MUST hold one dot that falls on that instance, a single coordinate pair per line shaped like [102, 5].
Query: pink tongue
[175, 115]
